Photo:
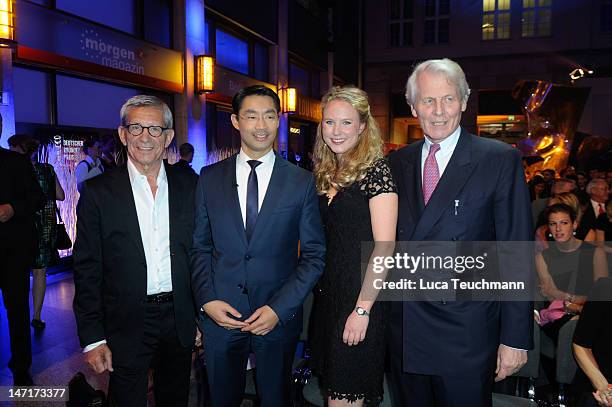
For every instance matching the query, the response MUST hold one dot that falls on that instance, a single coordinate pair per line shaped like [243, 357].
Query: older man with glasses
[133, 301]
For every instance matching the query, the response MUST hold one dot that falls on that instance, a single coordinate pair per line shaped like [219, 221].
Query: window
[119, 14]
[536, 18]
[157, 15]
[32, 96]
[261, 62]
[238, 51]
[436, 21]
[495, 19]
[401, 21]
[305, 80]
[232, 52]
[606, 15]
[103, 102]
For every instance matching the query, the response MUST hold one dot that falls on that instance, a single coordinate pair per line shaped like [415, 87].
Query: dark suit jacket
[486, 177]
[110, 270]
[588, 221]
[19, 188]
[224, 263]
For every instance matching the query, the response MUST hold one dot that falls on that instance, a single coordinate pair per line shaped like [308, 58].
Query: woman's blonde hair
[569, 199]
[328, 170]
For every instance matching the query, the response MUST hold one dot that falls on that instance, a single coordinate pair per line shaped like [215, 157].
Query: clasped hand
[261, 322]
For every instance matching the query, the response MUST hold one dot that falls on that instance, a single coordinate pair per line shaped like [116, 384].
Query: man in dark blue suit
[252, 209]
[454, 186]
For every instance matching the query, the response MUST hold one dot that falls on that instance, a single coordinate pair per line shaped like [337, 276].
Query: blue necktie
[252, 200]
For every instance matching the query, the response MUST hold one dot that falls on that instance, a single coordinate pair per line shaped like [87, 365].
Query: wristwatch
[362, 312]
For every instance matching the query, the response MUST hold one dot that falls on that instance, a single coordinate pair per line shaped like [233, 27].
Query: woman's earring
[549, 234]
[574, 233]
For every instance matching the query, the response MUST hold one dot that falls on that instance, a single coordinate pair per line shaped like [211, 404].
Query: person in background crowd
[186, 152]
[609, 179]
[568, 171]
[592, 348]
[20, 198]
[454, 186]
[133, 302]
[252, 209]
[46, 222]
[91, 166]
[597, 189]
[537, 187]
[542, 235]
[358, 203]
[108, 151]
[549, 176]
[568, 268]
[603, 231]
[583, 180]
[560, 186]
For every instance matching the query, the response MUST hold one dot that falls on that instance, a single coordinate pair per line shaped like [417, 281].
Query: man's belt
[160, 298]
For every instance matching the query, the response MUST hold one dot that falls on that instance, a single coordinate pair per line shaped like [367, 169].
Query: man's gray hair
[449, 68]
[593, 183]
[143, 101]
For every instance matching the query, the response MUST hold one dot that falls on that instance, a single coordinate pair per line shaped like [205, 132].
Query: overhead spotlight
[579, 73]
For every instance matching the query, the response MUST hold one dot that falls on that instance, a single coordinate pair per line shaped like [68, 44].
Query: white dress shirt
[595, 205]
[264, 173]
[444, 154]
[154, 222]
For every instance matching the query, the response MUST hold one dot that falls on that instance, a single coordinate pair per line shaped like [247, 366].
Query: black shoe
[38, 324]
[23, 379]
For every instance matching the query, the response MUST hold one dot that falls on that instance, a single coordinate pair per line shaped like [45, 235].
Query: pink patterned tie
[431, 174]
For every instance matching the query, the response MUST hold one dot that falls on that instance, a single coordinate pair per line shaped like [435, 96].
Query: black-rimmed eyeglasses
[136, 129]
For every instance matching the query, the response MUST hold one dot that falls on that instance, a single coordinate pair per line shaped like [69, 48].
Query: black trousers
[15, 286]
[162, 351]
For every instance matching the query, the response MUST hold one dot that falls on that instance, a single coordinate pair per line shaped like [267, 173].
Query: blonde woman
[358, 202]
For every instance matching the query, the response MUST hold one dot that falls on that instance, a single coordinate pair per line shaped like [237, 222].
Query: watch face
[361, 311]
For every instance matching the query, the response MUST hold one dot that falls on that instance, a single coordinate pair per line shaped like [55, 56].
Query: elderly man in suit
[454, 186]
[252, 209]
[20, 197]
[133, 302]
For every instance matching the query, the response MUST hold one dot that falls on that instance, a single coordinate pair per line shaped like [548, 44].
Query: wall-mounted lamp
[204, 74]
[7, 22]
[288, 97]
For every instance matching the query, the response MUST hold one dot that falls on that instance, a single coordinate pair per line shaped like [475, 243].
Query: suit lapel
[272, 197]
[125, 197]
[173, 208]
[412, 181]
[230, 192]
[456, 174]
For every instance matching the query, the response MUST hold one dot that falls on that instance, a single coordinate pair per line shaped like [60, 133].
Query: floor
[56, 354]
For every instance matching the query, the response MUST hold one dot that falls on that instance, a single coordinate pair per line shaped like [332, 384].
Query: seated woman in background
[581, 233]
[569, 267]
[592, 347]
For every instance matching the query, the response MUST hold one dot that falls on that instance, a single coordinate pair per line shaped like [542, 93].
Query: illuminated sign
[294, 130]
[53, 38]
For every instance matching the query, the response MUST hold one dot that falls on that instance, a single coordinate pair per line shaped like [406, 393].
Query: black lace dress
[349, 372]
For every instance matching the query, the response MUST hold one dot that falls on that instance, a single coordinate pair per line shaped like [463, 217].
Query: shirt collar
[266, 160]
[448, 144]
[136, 176]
